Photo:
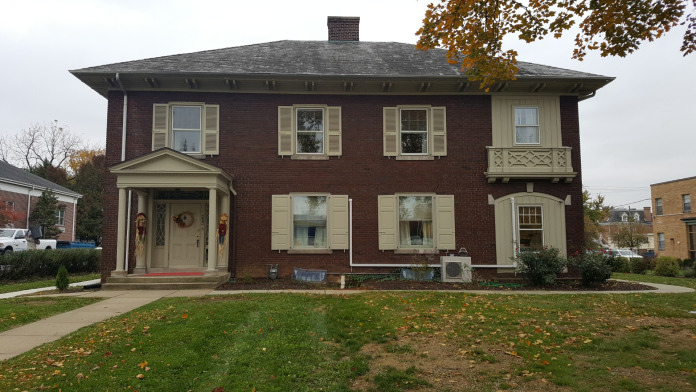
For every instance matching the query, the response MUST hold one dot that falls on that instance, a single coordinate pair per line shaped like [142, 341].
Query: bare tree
[41, 144]
[4, 150]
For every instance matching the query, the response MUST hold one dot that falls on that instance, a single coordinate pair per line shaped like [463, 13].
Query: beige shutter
[281, 222]
[386, 222]
[285, 130]
[211, 130]
[160, 126]
[444, 219]
[333, 131]
[391, 132]
[338, 222]
[439, 128]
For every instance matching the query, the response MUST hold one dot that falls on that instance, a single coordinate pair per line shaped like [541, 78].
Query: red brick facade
[248, 152]
[20, 206]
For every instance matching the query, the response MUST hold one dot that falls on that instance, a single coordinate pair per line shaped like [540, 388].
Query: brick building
[675, 220]
[339, 155]
[20, 190]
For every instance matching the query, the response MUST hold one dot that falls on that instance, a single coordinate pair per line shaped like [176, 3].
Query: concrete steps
[173, 282]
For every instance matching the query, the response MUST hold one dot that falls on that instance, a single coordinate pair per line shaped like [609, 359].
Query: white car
[15, 240]
[626, 253]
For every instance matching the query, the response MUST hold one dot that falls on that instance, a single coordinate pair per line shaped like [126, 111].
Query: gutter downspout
[74, 217]
[350, 251]
[123, 158]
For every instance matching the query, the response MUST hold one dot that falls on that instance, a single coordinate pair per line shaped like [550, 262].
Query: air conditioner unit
[456, 269]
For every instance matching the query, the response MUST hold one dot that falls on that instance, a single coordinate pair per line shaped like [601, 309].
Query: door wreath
[184, 219]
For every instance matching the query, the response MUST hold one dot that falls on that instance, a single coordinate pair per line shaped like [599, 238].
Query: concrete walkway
[22, 339]
[32, 291]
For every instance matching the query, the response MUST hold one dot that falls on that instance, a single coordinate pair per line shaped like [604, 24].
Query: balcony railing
[553, 163]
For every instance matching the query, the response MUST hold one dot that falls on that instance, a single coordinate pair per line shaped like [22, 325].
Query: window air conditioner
[456, 269]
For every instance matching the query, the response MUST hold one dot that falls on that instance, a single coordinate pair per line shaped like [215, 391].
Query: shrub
[639, 266]
[541, 267]
[666, 266]
[62, 279]
[45, 263]
[688, 263]
[689, 272]
[594, 267]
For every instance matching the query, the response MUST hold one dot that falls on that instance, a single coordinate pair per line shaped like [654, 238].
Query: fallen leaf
[140, 376]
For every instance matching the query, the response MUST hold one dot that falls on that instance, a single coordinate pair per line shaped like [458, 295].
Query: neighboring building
[339, 155]
[20, 190]
[675, 219]
[641, 219]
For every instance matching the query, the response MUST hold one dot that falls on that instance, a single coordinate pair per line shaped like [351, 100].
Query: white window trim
[538, 125]
[60, 212]
[410, 249]
[313, 249]
[172, 130]
[428, 132]
[323, 131]
[519, 230]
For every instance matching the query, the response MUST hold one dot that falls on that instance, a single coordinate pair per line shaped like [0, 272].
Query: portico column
[140, 257]
[121, 234]
[212, 230]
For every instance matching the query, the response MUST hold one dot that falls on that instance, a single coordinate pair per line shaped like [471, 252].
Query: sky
[638, 130]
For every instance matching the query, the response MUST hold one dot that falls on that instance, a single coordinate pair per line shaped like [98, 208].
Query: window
[60, 215]
[636, 217]
[526, 125]
[686, 203]
[414, 132]
[191, 128]
[309, 132]
[7, 205]
[624, 217]
[530, 226]
[661, 241]
[415, 221]
[309, 223]
[412, 223]
[658, 206]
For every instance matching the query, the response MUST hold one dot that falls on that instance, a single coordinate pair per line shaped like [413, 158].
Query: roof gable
[21, 177]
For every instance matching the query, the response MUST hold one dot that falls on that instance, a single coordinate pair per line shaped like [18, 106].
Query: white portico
[182, 199]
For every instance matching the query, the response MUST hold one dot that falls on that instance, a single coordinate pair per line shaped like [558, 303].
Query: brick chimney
[344, 28]
[648, 214]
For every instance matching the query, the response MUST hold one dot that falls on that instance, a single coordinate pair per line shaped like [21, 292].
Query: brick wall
[248, 145]
[670, 222]
[20, 200]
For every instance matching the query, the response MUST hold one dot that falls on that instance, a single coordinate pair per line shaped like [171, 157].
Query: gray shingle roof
[14, 174]
[320, 58]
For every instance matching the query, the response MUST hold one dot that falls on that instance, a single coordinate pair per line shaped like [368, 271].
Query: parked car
[625, 253]
[17, 240]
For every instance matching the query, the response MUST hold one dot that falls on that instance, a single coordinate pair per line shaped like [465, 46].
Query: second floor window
[186, 128]
[686, 203]
[310, 131]
[414, 131]
[658, 206]
[526, 125]
[191, 128]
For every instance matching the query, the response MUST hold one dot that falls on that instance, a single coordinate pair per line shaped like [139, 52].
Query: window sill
[415, 158]
[310, 251]
[416, 251]
[310, 157]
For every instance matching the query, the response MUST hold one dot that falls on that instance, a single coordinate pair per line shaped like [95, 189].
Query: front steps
[172, 282]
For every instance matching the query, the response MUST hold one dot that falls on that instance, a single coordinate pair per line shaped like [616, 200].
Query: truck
[17, 240]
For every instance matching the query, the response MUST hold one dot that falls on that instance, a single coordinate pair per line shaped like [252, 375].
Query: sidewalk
[22, 339]
[32, 291]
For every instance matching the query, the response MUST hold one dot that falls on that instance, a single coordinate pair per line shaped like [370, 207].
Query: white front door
[186, 242]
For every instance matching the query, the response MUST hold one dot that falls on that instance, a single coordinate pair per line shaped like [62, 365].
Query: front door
[186, 242]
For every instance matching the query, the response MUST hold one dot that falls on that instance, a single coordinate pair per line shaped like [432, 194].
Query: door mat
[175, 274]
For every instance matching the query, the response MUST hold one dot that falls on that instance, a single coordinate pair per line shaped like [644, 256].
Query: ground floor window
[416, 221]
[692, 241]
[531, 228]
[660, 241]
[60, 216]
[309, 221]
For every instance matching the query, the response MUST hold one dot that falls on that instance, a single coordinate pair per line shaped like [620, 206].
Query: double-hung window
[60, 217]
[660, 241]
[658, 206]
[309, 131]
[530, 227]
[686, 203]
[188, 127]
[309, 221]
[527, 125]
[414, 132]
[415, 221]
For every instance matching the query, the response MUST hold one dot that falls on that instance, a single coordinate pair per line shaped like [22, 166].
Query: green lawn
[19, 311]
[7, 287]
[377, 341]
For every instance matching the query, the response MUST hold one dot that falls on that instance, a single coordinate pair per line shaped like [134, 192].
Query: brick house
[20, 190]
[675, 220]
[340, 155]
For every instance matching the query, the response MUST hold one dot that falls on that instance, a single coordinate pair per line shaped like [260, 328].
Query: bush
[62, 279]
[541, 267]
[689, 272]
[45, 263]
[688, 263]
[666, 266]
[595, 267]
[639, 266]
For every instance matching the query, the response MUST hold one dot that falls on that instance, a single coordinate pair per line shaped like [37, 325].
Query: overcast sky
[638, 130]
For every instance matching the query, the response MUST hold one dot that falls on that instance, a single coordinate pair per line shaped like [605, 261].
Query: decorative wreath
[184, 219]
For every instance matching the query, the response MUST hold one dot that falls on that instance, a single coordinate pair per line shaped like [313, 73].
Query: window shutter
[211, 131]
[386, 221]
[338, 222]
[439, 127]
[160, 126]
[333, 131]
[390, 132]
[281, 222]
[444, 218]
[285, 130]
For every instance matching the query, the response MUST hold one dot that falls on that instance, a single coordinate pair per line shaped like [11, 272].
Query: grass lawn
[19, 311]
[10, 286]
[377, 341]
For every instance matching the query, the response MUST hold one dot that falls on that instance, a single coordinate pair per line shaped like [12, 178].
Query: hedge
[45, 263]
